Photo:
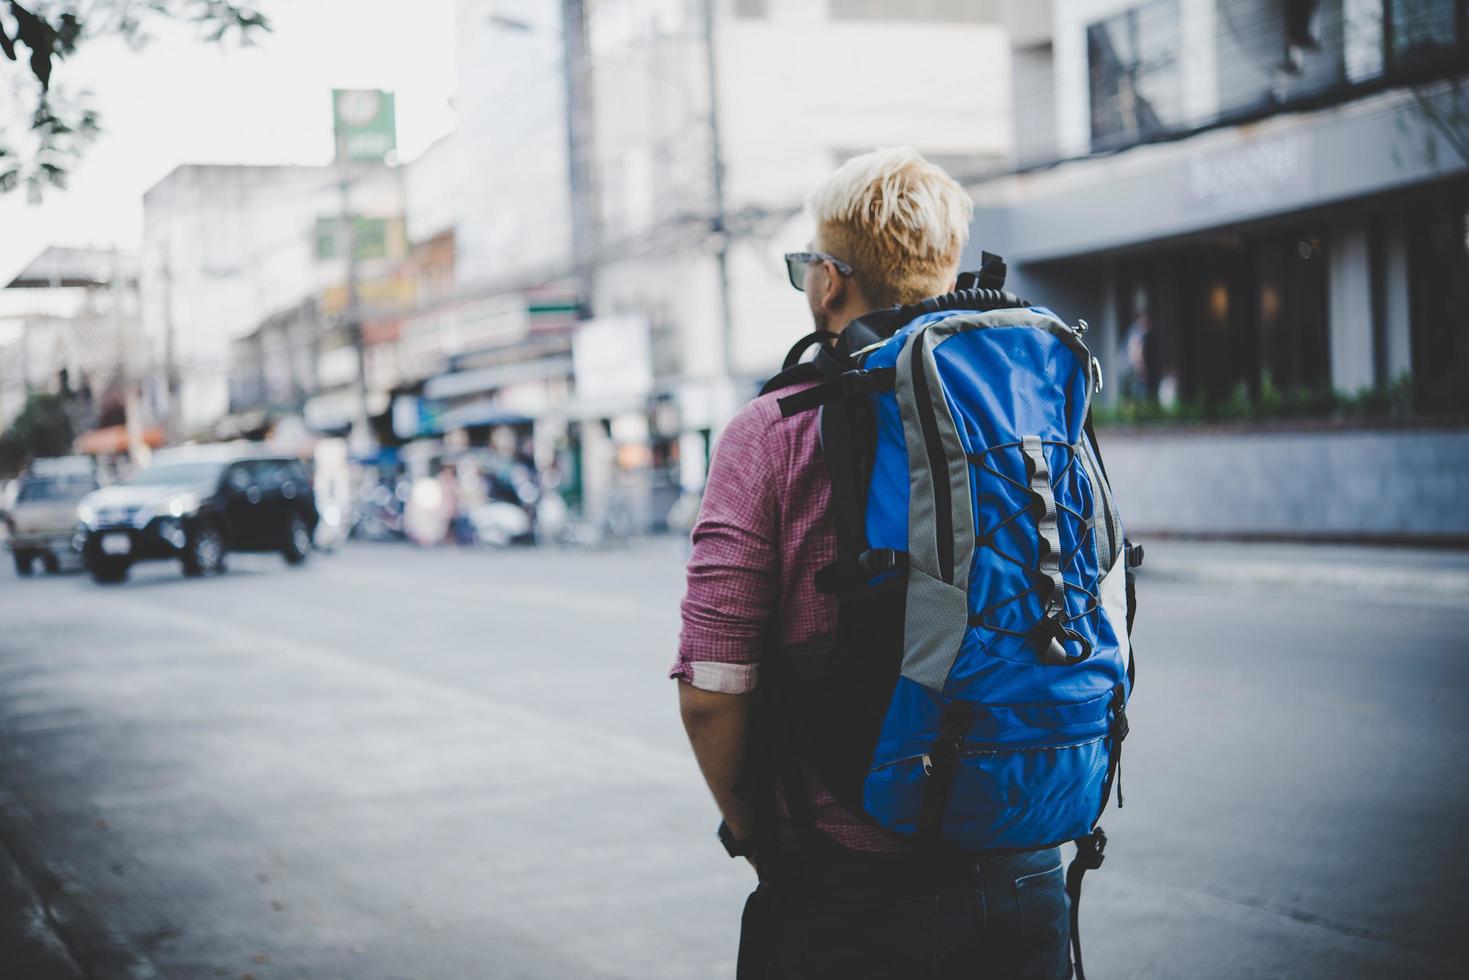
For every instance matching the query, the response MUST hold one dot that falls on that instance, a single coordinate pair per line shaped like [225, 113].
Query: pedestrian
[839, 896]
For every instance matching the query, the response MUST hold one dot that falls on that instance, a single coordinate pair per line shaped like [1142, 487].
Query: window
[55, 490]
[239, 478]
[1422, 30]
[266, 473]
[1133, 75]
[1438, 275]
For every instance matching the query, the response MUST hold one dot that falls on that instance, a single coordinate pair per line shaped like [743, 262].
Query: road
[397, 763]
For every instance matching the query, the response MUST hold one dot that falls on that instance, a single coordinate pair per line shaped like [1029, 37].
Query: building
[1256, 188]
[1261, 209]
[73, 324]
[227, 247]
[699, 199]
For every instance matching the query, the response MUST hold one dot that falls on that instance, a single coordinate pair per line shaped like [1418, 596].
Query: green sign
[365, 125]
[370, 236]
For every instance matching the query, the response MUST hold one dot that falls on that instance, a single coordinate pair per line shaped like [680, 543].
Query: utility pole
[352, 314]
[576, 65]
[718, 224]
[170, 351]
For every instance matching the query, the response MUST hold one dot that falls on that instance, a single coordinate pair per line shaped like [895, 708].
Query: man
[841, 897]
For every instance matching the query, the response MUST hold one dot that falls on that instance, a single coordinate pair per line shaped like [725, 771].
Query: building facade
[1253, 202]
[72, 324]
[1261, 209]
[226, 248]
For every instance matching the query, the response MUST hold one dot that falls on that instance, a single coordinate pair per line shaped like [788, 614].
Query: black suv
[196, 509]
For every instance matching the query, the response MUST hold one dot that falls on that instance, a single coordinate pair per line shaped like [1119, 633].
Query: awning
[580, 409]
[73, 267]
[114, 440]
[473, 382]
[483, 412]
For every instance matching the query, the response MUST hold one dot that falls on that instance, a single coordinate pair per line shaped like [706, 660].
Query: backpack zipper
[993, 749]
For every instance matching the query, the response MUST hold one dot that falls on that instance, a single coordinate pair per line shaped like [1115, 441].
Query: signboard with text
[364, 123]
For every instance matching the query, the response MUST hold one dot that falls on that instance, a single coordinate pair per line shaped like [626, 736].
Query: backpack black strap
[841, 435]
[794, 375]
[1091, 850]
[800, 347]
[847, 385]
[991, 274]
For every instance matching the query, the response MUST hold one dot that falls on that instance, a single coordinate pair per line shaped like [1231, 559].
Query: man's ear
[833, 290]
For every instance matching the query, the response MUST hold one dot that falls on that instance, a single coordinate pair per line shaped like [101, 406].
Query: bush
[1401, 400]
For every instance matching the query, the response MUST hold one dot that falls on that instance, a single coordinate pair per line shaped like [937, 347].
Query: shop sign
[1264, 173]
[365, 124]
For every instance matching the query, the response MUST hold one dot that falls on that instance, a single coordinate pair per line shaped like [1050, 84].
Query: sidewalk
[1357, 569]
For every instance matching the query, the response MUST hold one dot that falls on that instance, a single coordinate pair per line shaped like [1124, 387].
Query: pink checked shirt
[763, 531]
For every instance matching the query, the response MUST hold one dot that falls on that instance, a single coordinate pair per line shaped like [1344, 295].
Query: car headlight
[183, 505]
[87, 514]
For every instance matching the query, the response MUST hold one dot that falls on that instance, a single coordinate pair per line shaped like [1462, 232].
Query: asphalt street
[398, 763]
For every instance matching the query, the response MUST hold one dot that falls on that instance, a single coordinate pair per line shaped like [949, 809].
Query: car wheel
[23, 562]
[204, 553]
[109, 572]
[51, 563]
[298, 542]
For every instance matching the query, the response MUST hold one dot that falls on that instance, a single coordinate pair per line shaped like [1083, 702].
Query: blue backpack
[974, 697]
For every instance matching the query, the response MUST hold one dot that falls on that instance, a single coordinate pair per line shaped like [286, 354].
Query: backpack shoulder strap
[793, 375]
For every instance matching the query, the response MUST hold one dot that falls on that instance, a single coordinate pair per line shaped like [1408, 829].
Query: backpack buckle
[1052, 635]
[1091, 850]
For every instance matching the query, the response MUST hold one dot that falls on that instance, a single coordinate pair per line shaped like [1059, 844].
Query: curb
[63, 912]
[1447, 583]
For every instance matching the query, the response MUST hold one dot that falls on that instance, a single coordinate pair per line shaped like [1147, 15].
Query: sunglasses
[798, 262]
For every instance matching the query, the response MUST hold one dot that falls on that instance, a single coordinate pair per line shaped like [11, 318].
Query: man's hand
[716, 727]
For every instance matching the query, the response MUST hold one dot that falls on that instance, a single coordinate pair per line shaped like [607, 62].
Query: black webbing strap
[841, 448]
[1091, 850]
[839, 579]
[800, 347]
[797, 374]
[942, 764]
[845, 386]
[991, 274]
[1091, 433]
[772, 760]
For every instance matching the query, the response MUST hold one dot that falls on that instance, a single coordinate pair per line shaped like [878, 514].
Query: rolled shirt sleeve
[734, 570]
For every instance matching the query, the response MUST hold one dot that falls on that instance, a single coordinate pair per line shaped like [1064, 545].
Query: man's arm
[733, 585]
[716, 726]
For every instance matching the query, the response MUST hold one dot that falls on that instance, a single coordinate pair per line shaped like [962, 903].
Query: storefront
[1305, 262]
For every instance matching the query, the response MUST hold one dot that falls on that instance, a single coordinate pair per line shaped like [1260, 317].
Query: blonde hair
[899, 221]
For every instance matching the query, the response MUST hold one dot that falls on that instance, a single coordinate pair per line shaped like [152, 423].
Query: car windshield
[71, 488]
[176, 474]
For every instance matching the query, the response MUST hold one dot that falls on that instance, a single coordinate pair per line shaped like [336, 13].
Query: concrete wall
[514, 207]
[1389, 484]
[1219, 178]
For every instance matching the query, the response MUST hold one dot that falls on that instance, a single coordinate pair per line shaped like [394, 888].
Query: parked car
[40, 512]
[196, 508]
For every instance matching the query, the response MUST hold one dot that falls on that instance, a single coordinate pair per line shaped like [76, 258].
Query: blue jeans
[840, 914]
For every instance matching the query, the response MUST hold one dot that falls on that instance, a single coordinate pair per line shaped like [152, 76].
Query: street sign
[373, 238]
[365, 124]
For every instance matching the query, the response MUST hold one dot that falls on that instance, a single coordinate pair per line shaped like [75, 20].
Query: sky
[179, 100]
